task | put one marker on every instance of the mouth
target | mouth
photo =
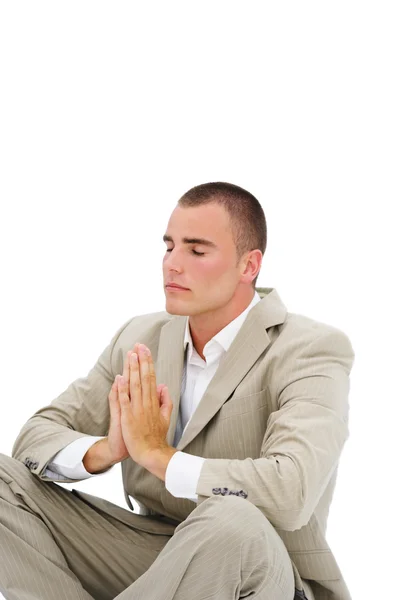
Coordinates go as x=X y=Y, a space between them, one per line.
x=176 y=288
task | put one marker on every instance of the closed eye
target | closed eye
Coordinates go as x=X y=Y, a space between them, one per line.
x=193 y=252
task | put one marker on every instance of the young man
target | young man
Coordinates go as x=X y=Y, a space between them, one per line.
x=229 y=415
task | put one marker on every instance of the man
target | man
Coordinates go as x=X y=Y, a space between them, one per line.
x=229 y=421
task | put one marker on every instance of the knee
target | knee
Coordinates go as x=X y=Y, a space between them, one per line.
x=233 y=505
x=234 y=515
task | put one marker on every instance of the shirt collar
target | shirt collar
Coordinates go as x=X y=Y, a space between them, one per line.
x=224 y=338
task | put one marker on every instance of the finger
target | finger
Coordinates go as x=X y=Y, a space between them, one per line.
x=126 y=410
x=166 y=407
x=165 y=396
x=126 y=365
x=113 y=387
x=124 y=398
x=135 y=382
x=114 y=405
x=152 y=380
x=145 y=382
x=113 y=391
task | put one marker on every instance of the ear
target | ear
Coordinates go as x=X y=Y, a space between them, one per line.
x=253 y=266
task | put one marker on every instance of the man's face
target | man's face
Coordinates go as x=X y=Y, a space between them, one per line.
x=211 y=277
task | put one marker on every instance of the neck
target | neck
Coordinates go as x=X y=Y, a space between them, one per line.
x=204 y=327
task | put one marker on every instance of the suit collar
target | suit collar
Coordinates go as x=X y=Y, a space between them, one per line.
x=225 y=337
x=250 y=342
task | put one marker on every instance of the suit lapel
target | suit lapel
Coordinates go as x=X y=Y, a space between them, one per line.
x=250 y=342
x=170 y=364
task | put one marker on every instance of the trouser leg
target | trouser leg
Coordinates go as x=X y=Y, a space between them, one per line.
x=54 y=546
x=225 y=549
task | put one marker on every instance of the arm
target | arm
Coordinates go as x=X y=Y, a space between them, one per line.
x=75 y=461
x=304 y=436
x=81 y=410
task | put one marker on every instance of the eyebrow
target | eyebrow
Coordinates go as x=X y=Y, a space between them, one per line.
x=201 y=241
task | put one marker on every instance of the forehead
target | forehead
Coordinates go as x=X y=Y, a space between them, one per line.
x=208 y=220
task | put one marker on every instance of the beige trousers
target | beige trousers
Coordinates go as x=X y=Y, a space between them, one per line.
x=55 y=546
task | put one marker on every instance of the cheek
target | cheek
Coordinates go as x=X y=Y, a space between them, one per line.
x=209 y=269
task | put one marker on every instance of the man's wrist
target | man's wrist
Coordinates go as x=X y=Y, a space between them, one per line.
x=97 y=458
x=156 y=461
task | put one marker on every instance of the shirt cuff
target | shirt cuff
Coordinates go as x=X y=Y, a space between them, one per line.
x=182 y=475
x=69 y=460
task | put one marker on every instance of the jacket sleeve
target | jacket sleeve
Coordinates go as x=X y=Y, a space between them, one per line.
x=81 y=410
x=304 y=437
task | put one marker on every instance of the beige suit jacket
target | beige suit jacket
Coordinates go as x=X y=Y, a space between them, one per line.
x=272 y=424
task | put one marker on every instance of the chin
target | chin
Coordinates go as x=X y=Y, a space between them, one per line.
x=175 y=310
x=173 y=307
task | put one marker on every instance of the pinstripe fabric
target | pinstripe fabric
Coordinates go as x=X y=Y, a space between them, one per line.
x=272 y=424
x=54 y=545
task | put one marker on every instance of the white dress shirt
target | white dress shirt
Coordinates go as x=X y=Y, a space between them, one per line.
x=183 y=470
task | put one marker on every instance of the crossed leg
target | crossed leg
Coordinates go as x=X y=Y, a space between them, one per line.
x=54 y=545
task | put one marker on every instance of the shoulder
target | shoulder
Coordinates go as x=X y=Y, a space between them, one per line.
x=142 y=326
x=300 y=334
x=144 y=329
x=293 y=332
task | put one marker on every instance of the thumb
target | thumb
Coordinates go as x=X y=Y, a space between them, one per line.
x=159 y=390
x=113 y=398
x=166 y=404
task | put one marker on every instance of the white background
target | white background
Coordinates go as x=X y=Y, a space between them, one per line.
x=109 y=112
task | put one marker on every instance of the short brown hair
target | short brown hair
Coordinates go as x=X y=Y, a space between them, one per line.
x=248 y=223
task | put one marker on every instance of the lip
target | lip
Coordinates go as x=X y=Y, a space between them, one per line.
x=173 y=286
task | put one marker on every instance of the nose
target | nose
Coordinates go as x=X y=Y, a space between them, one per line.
x=171 y=263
